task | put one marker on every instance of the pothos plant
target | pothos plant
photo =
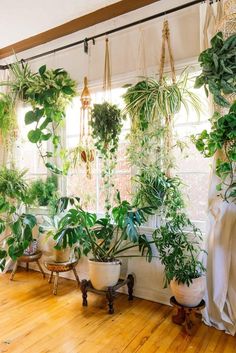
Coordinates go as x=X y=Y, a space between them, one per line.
x=48 y=92
x=218 y=76
x=15 y=226
x=222 y=137
x=106 y=123
x=218 y=69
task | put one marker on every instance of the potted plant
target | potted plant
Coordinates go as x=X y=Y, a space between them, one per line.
x=16 y=226
x=62 y=246
x=178 y=243
x=107 y=239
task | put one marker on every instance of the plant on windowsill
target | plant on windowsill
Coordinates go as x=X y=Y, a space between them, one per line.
x=106 y=239
x=16 y=227
x=106 y=123
x=43 y=194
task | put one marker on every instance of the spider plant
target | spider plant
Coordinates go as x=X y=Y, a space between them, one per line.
x=151 y=99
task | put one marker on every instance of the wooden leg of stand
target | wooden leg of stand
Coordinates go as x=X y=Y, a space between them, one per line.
x=50 y=277
x=130 y=285
x=179 y=318
x=76 y=275
x=55 y=284
x=110 y=298
x=14 y=270
x=27 y=266
x=83 y=287
x=40 y=267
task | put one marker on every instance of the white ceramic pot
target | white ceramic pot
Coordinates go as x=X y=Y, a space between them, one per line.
x=104 y=274
x=62 y=255
x=189 y=296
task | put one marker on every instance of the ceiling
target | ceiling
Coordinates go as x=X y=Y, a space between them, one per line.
x=25 y=18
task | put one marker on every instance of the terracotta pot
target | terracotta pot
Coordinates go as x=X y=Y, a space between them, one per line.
x=104 y=274
x=87 y=156
x=188 y=296
x=62 y=255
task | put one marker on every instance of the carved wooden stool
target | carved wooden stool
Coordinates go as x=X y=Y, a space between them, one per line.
x=58 y=267
x=186 y=316
x=110 y=292
x=27 y=259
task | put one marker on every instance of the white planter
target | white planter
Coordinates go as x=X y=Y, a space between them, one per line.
x=104 y=274
x=188 y=296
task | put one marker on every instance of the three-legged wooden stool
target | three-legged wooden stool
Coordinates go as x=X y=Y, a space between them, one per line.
x=27 y=259
x=58 y=267
x=187 y=316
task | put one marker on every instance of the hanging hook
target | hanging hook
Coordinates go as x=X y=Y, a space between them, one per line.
x=86 y=45
x=93 y=40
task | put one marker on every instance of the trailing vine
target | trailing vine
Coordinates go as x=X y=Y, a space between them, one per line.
x=106 y=122
x=218 y=76
x=48 y=92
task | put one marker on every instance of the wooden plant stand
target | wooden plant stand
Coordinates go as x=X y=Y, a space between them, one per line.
x=27 y=259
x=110 y=292
x=186 y=316
x=58 y=267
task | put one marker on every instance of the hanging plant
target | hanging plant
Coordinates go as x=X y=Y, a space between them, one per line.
x=48 y=92
x=222 y=137
x=106 y=123
x=152 y=105
x=8 y=124
x=219 y=68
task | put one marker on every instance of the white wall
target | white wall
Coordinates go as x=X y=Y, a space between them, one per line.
x=125 y=58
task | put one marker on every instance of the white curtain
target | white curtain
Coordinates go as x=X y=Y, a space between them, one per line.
x=220 y=297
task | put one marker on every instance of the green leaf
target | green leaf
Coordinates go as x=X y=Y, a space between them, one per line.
x=68 y=90
x=45 y=137
x=42 y=70
x=30 y=117
x=34 y=135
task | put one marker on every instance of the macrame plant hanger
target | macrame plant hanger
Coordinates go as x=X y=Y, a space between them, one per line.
x=107 y=74
x=86 y=141
x=168 y=144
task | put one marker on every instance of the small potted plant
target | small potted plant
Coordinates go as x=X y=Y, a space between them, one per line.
x=62 y=246
x=107 y=239
x=178 y=244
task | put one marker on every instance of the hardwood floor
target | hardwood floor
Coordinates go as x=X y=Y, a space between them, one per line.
x=33 y=320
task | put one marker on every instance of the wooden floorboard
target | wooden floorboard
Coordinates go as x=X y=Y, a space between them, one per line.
x=33 y=320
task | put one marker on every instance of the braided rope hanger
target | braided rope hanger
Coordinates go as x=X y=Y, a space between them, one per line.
x=107 y=73
x=166 y=40
x=168 y=139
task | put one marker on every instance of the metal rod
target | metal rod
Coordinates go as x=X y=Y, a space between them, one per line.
x=121 y=28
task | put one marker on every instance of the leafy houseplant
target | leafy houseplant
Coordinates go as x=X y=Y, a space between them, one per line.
x=106 y=238
x=48 y=92
x=8 y=124
x=15 y=226
x=43 y=193
x=106 y=122
x=52 y=225
x=219 y=69
x=152 y=105
x=222 y=137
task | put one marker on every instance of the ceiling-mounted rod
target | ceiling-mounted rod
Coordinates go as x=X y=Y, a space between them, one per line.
x=163 y=13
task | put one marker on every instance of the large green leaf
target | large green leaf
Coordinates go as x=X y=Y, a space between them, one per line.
x=34 y=135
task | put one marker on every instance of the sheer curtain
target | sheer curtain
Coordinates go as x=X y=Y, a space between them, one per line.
x=220 y=297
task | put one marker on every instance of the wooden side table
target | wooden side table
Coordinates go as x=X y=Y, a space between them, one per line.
x=27 y=259
x=58 y=267
x=186 y=316
x=110 y=292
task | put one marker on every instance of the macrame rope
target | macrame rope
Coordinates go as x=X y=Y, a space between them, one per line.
x=166 y=40
x=107 y=72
